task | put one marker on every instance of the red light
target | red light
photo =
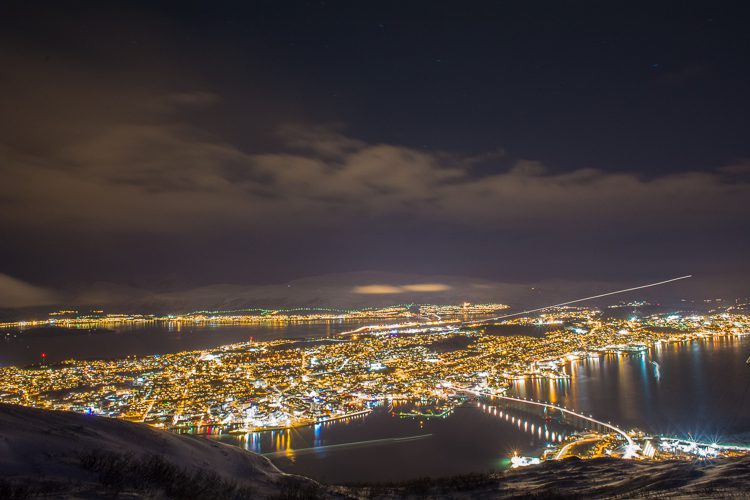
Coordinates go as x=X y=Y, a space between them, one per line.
x=44 y=354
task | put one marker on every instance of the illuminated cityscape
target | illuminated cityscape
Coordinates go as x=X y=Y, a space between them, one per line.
x=328 y=249
x=416 y=314
x=437 y=365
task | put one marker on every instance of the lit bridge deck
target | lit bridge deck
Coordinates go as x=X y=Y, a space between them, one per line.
x=631 y=448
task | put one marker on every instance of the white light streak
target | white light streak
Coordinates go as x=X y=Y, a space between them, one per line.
x=583 y=299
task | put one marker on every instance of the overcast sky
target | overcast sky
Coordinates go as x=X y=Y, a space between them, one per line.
x=513 y=141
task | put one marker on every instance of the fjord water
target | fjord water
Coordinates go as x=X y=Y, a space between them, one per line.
x=696 y=389
x=25 y=347
x=382 y=447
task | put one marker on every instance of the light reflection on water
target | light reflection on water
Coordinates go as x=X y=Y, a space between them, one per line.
x=162 y=338
x=384 y=447
x=696 y=390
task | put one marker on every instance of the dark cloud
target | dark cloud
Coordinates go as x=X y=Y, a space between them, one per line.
x=15 y=293
x=219 y=153
x=174 y=177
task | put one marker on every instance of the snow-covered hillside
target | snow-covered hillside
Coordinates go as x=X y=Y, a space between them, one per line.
x=46 y=454
x=80 y=455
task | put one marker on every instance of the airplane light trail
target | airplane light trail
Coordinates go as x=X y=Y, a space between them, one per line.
x=582 y=300
x=382 y=327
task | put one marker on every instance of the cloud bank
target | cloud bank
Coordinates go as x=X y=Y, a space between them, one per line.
x=105 y=150
x=15 y=293
x=169 y=177
x=100 y=166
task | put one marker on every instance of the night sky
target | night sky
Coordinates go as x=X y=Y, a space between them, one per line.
x=186 y=143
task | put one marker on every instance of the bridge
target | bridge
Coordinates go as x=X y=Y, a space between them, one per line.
x=631 y=449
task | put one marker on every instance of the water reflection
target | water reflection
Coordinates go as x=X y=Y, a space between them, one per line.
x=689 y=389
x=382 y=446
x=682 y=389
x=155 y=338
x=535 y=425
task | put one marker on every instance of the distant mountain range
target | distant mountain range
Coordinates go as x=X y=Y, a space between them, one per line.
x=349 y=290
x=54 y=454
x=344 y=290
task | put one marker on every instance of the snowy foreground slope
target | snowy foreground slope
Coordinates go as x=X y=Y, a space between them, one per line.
x=46 y=454
x=69 y=454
